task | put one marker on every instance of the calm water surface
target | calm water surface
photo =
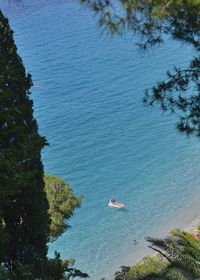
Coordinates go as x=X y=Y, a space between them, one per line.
x=102 y=139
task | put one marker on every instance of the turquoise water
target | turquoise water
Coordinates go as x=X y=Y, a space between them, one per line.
x=102 y=139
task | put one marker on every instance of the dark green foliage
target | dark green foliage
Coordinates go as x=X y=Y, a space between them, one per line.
x=20 y=272
x=44 y=269
x=182 y=251
x=123 y=274
x=178 y=258
x=24 y=218
x=23 y=205
x=150 y=21
x=57 y=269
x=62 y=204
x=147 y=265
x=149 y=268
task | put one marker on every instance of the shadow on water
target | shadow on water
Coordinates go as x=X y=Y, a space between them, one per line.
x=123 y=210
x=120 y=210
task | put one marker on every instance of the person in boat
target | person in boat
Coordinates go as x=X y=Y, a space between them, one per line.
x=112 y=201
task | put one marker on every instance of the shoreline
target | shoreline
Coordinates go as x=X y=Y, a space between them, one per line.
x=193 y=225
x=187 y=219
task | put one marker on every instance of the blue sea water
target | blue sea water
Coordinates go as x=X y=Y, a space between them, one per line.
x=88 y=104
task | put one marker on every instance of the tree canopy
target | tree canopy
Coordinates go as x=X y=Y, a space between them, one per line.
x=25 y=212
x=177 y=259
x=62 y=204
x=25 y=225
x=146 y=266
x=182 y=252
x=151 y=22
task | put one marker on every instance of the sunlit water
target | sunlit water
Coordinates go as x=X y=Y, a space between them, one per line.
x=88 y=104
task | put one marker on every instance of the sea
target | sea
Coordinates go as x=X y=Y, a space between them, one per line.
x=87 y=93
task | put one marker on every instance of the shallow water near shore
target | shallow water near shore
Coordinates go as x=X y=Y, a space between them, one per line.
x=88 y=104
